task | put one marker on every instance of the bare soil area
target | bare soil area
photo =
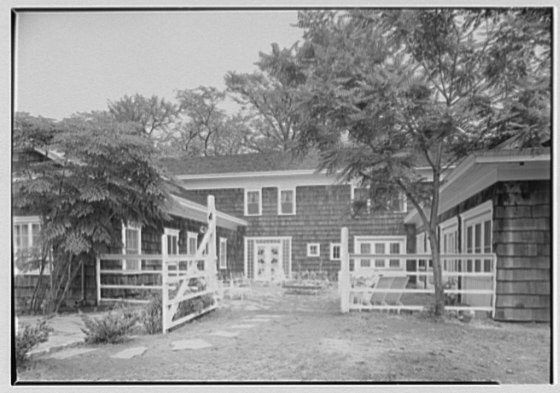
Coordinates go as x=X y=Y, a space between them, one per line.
x=310 y=340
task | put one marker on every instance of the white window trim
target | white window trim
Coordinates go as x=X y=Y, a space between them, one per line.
x=480 y=210
x=192 y=235
x=169 y=232
x=310 y=245
x=245 y=201
x=476 y=215
x=448 y=227
x=29 y=221
x=387 y=240
x=401 y=195
x=223 y=261
x=126 y=226
x=332 y=246
x=280 y=213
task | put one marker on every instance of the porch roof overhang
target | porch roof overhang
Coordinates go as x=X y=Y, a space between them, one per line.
x=481 y=170
x=187 y=209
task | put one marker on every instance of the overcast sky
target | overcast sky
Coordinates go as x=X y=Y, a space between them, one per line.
x=72 y=62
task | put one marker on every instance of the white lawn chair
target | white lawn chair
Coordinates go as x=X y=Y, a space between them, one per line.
x=394 y=298
x=378 y=296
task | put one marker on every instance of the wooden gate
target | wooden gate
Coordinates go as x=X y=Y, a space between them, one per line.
x=187 y=285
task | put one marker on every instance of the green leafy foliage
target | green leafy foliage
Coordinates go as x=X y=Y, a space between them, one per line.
x=102 y=175
x=151 y=317
x=389 y=91
x=112 y=328
x=268 y=97
x=27 y=338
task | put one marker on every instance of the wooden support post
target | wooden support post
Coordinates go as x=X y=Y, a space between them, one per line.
x=344 y=277
x=98 y=279
x=164 y=296
x=212 y=268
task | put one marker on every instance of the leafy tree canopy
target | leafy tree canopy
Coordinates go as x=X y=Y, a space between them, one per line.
x=107 y=178
x=421 y=87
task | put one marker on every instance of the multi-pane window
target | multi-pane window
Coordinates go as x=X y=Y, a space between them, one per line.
x=27 y=245
x=253 y=202
x=170 y=241
x=192 y=243
x=362 y=202
x=380 y=247
x=287 y=203
x=313 y=250
x=335 y=251
x=222 y=253
x=132 y=241
x=477 y=225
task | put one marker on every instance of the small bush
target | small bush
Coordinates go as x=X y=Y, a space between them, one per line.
x=112 y=328
x=151 y=316
x=27 y=338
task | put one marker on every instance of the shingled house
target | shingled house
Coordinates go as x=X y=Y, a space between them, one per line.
x=181 y=235
x=294 y=212
x=500 y=202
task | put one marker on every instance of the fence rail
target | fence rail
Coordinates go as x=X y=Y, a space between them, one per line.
x=469 y=280
x=187 y=284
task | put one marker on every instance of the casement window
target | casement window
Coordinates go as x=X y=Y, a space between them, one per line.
x=477 y=236
x=253 y=202
x=313 y=249
x=170 y=241
x=192 y=243
x=335 y=252
x=132 y=245
x=222 y=253
x=287 y=201
x=27 y=245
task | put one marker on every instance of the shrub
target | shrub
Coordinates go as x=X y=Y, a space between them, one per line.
x=28 y=337
x=151 y=317
x=112 y=328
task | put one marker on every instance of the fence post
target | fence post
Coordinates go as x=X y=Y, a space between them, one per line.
x=164 y=296
x=212 y=269
x=98 y=279
x=344 y=276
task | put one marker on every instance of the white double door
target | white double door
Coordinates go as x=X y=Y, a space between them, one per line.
x=268 y=262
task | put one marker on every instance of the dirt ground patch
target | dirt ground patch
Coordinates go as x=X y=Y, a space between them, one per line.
x=306 y=338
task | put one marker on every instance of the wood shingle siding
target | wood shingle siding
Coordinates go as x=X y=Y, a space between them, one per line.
x=521 y=237
x=321 y=211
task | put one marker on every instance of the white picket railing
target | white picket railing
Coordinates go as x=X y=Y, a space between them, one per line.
x=177 y=278
x=469 y=277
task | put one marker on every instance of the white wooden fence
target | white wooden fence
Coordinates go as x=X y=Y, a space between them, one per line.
x=470 y=280
x=188 y=285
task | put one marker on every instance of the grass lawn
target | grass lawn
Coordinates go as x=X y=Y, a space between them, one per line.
x=312 y=341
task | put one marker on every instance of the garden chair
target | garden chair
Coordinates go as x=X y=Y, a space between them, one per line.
x=378 y=296
x=236 y=287
x=394 y=298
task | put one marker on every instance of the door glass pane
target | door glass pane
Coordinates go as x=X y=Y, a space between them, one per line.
x=394 y=263
x=395 y=248
x=380 y=263
x=380 y=248
x=364 y=263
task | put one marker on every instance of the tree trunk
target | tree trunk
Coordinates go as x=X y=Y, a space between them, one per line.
x=438 y=276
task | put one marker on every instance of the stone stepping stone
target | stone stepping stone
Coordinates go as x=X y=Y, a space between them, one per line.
x=258 y=320
x=65 y=354
x=129 y=353
x=190 y=344
x=223 y=333
x=243 y=326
